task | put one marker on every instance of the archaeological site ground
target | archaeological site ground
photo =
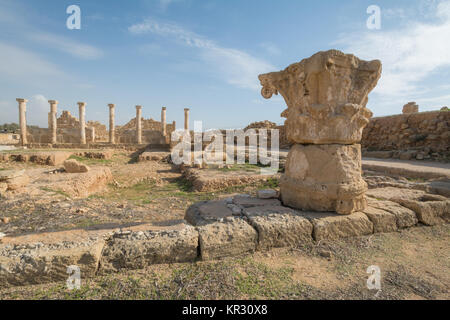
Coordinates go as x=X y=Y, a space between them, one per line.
x=334 y=202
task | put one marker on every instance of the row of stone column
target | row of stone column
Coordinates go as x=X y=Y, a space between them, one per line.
x=52 y=124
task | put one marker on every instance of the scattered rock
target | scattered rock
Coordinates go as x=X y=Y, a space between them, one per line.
x=17 y=183
x=73 y=166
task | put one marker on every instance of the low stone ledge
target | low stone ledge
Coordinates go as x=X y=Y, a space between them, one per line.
x=151 y=245
x=429 y=212
x=383 y=221
x=279 y=226
x=247 y=201
x=230 y=237
x=430 y=209
x=405 y=217
x=42 y=258
x=330 y=226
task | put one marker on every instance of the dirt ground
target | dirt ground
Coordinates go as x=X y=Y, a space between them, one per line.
x=141 y=192
x=414 y=263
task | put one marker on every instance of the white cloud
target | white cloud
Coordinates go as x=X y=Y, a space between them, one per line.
x=24 y=65
x=235 y=66
x=37 y=111
x=409 y=55
x=67 y=45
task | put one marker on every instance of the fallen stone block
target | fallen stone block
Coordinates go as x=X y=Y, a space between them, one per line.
x=151 y=245
x=279 y=226
x=10 y=174
x=405 y=217
x=332 y=226
x=232 y=237
x=383 y=221
x=73 y=166
x=43 y=258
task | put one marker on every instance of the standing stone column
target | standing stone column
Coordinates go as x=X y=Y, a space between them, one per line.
x=82 y=115
x=52 y=117
x=138 y=124
x=163 y=121
x=92 y=134
x=186 y=119
x=112 y=125
x=22 y=120
x=326 y=96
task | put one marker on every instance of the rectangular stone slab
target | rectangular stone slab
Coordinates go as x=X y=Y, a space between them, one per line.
x=405 y=217
x=383 y=221
x=279 y=226
x=329 y=226
x=153 y=245
x=233 y=236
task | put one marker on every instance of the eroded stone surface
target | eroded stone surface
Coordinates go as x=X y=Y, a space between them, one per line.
x=267 y=194
x=326 y=96
x=73 y=166
x=152 y=245
x=279 y=226
x=44 y=258
x=247 y=201
x=383 y=221
x=324 y=178
x=205 y=212
x=232 y=237
x=405 y=217
x=332 y=226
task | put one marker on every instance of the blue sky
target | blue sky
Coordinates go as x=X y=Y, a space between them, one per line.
x=206 y=55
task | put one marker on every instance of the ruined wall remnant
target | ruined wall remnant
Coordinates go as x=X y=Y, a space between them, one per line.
x=326 y=96
x=410 y=107
x=422 y=135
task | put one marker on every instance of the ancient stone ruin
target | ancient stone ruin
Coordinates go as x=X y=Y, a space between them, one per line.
x=70 y=131
x=326 y=96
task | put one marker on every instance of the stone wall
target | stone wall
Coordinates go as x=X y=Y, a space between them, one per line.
x=9 y=138
x=422 y=135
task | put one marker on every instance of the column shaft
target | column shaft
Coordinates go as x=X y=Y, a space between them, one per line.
x=82 y=115
x=23 y=120
x=163 y=122
x=186 y=119
x=52 y=116
x=112 y=125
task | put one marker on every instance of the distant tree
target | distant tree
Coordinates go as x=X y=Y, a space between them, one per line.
x=9 y=128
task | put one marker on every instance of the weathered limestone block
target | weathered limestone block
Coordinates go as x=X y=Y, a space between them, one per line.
x=324 y=178
x=405 y=217
x=410 y=107
x=155 y=245
x=326 y=96
x=205 y=212
x=428 y=212
x=41 y=258
x=279 y=226
x=383 y=221
x=430 y=209
x=328 y=226
x=232 y=237
x=73 y=166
